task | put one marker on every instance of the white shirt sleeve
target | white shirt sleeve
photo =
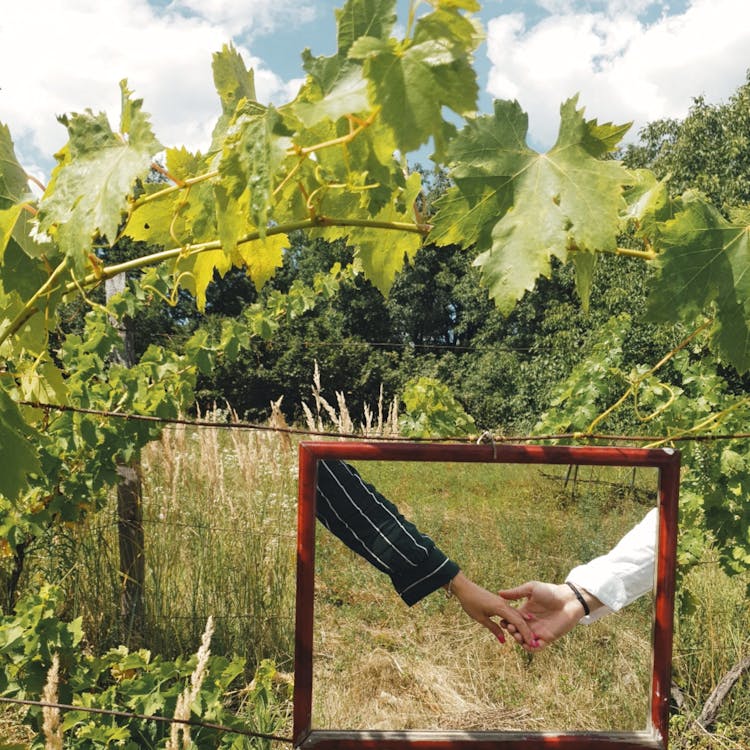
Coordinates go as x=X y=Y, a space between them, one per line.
x=624 y=573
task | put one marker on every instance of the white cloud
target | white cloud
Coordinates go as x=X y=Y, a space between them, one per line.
x=625 y=69
x=244 y=17
x=77 y=51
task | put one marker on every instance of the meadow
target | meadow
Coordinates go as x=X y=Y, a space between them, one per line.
x=220 y=524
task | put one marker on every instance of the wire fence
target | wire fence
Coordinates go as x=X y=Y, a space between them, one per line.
x=484 y=437
x=149 y=717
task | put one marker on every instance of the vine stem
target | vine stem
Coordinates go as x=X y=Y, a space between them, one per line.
x=173 y=189
x=666 y=358
x=30 y=309
x=38 y=183
x=630 y=253
x=710 y=422
x=318 y=221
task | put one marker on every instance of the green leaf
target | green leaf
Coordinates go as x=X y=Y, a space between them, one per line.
x=705 y=259
x=412 y=81
x=585 y=263
x=648 y=204
x=13 y=180
x=151 y=222
x=521 y=207
x=234 y=83
x=8 y=219
x=358 y=18
x=19 y=456
x=233 y=80
x=263 y=257
x=253 y=152
x=346 y=94
x=88 y=196
x=381 y=253
x=433 y=411
x=335 y=84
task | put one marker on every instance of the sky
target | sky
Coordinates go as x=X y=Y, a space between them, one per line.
x=630 y=60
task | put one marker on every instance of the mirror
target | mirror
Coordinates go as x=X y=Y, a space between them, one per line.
x=372 y=672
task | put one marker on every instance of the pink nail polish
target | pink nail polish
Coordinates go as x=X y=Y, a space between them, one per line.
x=535 y=643
x=501 y=638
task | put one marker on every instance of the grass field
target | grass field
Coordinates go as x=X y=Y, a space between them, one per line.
x=220 y=522
x=385 y=665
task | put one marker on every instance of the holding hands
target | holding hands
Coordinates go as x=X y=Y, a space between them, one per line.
x=548 y=610
x=551 y=609
x=482 y=605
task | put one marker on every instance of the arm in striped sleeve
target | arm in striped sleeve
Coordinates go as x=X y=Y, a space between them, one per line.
x=372 y=526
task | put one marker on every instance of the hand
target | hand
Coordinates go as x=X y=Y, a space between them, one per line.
x=551 y=609
x=482 y=605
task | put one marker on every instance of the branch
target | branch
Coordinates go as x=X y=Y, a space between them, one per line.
x=710 y=422
x=630 y=253
x=109 y=272
x=635 y=383
x=713 y=704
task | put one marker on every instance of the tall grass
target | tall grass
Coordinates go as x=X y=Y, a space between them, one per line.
x=219 y=513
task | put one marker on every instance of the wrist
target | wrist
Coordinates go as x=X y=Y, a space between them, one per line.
x=577 y=599
x=457 y=585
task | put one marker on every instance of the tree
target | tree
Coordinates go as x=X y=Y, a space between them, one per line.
x=709 y=150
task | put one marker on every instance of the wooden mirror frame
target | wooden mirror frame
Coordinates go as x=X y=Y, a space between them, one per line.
x=666 y=460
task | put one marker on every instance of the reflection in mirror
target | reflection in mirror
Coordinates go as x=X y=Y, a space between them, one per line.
x=381 y=665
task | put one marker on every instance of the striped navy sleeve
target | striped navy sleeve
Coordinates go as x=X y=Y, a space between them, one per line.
x=373 y=527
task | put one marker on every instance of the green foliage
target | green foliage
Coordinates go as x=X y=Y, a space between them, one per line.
x=703 y=266
x=707 y=151
x=94 y=177
x=432 y=411
x=570 y=196
x=126 y=681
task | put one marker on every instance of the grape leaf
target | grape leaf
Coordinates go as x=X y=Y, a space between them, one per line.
x=8 y=219
x=234 y=82
x=381 y=253
x=335 y=84
x=263 y=257
x=348 y=95
x=703 y=259
x=13 y=181
x=152 y=222
x=19 y=457
x=648 y=204
x=23 y=274
x=255 y=147
x=89 y=193
x=521 y=207
x=411 y=81
x=14 y=195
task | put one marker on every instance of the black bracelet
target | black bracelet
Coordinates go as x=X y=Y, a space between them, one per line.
x=579 y=597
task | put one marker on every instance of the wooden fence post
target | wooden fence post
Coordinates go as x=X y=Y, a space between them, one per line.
x=129 y=500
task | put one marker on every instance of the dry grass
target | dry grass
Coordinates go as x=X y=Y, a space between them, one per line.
x=383 y=665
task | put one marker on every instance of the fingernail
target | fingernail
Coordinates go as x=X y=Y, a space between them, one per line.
x=535 y=643
x=501 y=638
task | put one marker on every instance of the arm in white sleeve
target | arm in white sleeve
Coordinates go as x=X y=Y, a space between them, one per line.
x=624 y=573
